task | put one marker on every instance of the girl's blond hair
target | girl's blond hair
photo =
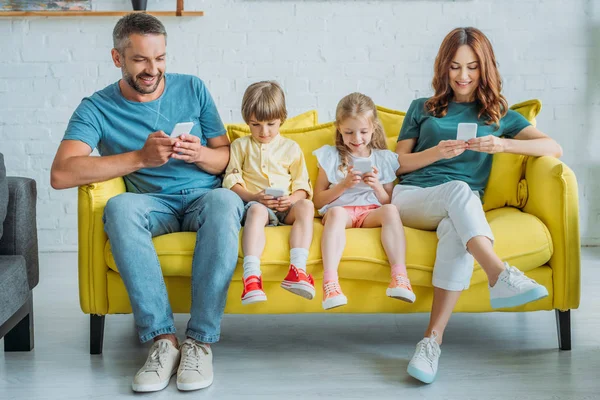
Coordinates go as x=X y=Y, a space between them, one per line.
x=357 y=105
x=265 y=101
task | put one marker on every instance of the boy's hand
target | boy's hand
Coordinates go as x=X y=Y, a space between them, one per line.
x=267 y=201
x=188 y=149
x=371 y=178
x=284 y=204
x=352 y=178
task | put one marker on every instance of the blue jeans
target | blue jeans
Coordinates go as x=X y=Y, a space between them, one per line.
x=131 y=220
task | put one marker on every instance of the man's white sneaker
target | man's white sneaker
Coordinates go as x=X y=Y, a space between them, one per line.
x=160 y=366
x=424 y=364
x=513 y=289
x=195 y=369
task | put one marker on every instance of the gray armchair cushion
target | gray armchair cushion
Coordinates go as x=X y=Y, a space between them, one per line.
x=20 y=230
x=14 y=289
x=3 y=193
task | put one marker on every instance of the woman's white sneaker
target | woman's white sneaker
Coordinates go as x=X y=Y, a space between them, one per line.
x=195 y=369
x=424 y=364
x=160 y=366
x=513 y=289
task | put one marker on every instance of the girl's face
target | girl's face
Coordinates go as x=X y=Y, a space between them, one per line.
x=464 y=74
x=357 y=133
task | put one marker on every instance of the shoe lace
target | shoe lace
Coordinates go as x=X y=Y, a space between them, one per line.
x=402 y=280
x=429 y=350
x=332 y=287
x=157 y=358
x=193 y=355
x=517 y=278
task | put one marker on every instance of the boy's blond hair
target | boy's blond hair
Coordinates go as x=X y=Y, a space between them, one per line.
x=265 y=101
x=361 y=106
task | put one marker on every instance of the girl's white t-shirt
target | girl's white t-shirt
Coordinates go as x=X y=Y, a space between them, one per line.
x=361 y=194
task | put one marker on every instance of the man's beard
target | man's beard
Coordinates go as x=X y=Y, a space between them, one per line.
x=133 y=82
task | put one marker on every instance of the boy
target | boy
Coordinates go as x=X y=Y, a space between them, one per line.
x=267 y=161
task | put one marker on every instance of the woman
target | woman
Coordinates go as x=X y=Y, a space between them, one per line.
x=443 y=180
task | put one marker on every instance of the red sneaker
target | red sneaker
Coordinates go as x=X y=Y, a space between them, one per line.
x=253 y=290
x=298 y=282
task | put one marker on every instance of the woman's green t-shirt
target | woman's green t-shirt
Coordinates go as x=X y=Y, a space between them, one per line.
x=471 y=167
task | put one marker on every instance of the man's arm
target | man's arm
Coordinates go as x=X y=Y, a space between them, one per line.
x=212 y=158
x=73 y=166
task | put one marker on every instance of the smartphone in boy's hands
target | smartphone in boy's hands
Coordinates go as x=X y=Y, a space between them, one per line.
x=466 y=131
x=182 y=128
x=275 y=192
x=363 y=165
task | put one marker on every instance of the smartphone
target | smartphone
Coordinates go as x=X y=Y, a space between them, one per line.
x=466 y=131
x=275 y=192
x=363 y=165
x=182 y=128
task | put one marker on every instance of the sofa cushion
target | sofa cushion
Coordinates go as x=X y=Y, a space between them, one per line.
x=14 y=288
x=521 y=239
x=3 y=194
x=506 y=186
x=392 y=122
x=304 y=120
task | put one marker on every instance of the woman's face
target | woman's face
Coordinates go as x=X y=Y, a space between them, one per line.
x=464 y=74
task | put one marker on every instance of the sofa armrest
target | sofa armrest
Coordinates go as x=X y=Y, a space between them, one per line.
x=20 y=225
x=92 y=199
x=553 y=198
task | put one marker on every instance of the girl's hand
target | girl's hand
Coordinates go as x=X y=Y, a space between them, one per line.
x=284 y=203
x=372 y=178
x=451 y=148
x=267 y=201
x=188 y=149
x=487 y=144
x=352 y=178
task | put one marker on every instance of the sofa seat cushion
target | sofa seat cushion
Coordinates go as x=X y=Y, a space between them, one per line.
x=14 y=288
x=521 y=239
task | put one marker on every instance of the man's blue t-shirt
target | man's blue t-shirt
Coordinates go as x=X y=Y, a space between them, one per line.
x=471 y=167
x=115 y=125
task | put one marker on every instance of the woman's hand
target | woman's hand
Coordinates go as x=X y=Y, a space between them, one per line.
x=487 y=144
x=352 y=178
x=450 y=148
x=372 y=179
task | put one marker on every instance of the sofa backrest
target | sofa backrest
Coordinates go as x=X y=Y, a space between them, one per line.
x=506 y=186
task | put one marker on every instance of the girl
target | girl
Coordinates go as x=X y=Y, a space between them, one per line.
x=443 y=180
x=347 y=198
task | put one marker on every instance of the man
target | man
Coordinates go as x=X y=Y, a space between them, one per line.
x=172 y=185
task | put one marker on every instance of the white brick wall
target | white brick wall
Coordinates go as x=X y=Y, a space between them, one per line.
x=319 y=51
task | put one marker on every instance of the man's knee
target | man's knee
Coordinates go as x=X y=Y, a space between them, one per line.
x=223 y=202
x=121 y=207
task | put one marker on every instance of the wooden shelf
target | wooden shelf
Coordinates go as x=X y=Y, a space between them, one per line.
x=95 y=13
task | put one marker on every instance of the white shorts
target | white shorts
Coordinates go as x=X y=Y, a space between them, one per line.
x=456 y=213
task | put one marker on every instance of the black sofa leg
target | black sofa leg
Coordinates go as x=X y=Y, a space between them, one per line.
x=563 y=327
x=96 y=333
x=21 y=336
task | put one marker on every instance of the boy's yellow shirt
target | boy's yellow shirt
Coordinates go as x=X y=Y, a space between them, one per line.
x=257 y=166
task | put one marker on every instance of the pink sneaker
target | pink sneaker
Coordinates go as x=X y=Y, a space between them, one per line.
x=298 y=282
x=400 y=289
x=332 y=295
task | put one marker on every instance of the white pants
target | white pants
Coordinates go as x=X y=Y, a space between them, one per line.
x=456 y=213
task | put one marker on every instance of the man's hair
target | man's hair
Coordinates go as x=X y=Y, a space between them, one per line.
x=265 y=101
x=138 y=23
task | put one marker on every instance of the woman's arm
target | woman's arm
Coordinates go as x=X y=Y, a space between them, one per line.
x=410 y=161
x=529 y=142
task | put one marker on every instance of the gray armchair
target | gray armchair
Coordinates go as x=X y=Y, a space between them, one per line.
x=19 y=269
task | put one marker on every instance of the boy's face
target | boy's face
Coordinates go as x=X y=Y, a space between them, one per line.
x=264 y=131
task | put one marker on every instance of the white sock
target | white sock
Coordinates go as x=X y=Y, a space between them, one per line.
x=251 y=266
x=298 y=257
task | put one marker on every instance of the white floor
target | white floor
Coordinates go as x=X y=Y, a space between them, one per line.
x=484 y=356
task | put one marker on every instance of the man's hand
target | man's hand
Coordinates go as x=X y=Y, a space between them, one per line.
x=267 y=201
x=188 y=149
x=157 y=150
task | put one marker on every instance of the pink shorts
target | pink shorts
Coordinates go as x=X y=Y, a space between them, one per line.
x=359 y=213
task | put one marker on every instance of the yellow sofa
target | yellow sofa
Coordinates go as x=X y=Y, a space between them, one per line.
x=531 y=204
